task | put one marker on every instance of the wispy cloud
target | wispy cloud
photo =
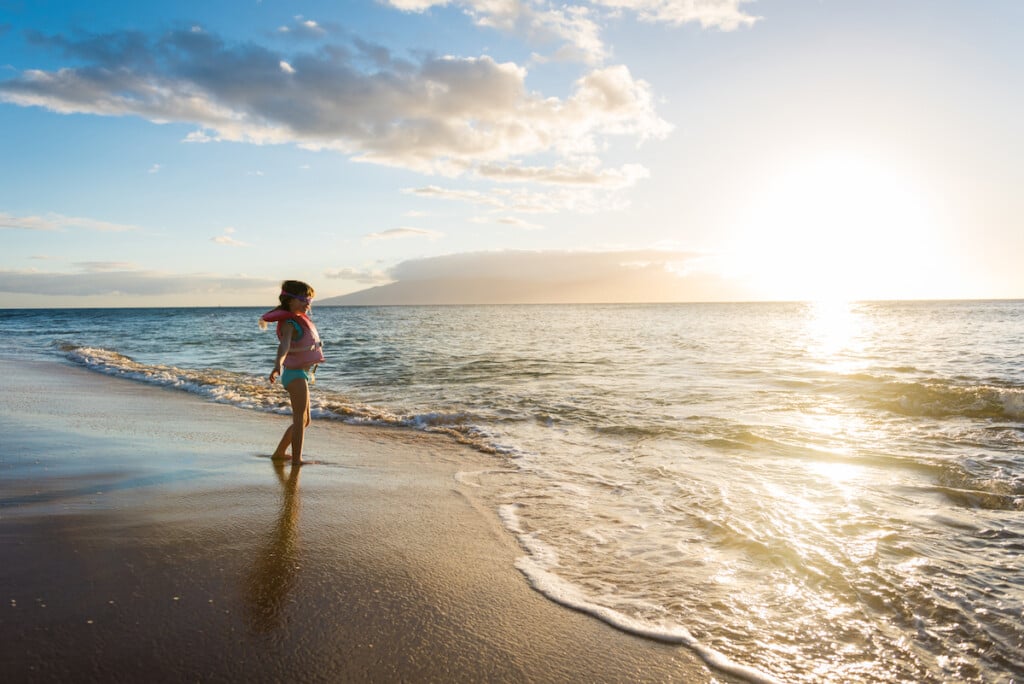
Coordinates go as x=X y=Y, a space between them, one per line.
x=59 y=222
x=30 y=223
x=586 y=200
x=471 y=196
x=303 y=28
x=401 y=233
x=198 y=137
x=623 y=177
x=540 y=23
x=517 y=222
x=513 y=221
x=155 y=168
x=227 y=239
x=125 y=282
x=725 y=15
x=571 y=26
x=438 y=115
x=577 y=27
x=106 y=266
x=368 y=276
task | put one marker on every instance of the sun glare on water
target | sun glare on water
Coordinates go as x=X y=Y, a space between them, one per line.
x=841 y=228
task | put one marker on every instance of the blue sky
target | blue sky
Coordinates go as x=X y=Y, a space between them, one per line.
x=194 y=153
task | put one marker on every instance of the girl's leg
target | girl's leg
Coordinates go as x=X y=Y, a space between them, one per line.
x=280 y=453
x=298 y=390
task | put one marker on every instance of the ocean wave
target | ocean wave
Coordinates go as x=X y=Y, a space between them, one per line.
x=987 y=483
x=981 y=498
x=254 y=392
x=948 y=399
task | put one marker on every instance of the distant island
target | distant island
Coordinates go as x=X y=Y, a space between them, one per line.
x=543 y=278
x=470 y=291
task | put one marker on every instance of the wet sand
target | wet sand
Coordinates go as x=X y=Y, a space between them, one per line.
x=146 y=536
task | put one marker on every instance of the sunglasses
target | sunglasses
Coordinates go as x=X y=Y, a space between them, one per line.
x=304 y=300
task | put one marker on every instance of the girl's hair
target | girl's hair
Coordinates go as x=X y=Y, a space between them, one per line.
x=294 y=287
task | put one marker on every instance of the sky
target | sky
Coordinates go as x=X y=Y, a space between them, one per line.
x=196 y=154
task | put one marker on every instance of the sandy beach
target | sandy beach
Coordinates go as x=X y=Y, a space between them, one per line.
x=147 y=536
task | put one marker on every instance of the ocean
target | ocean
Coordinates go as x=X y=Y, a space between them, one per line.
x=828 y=492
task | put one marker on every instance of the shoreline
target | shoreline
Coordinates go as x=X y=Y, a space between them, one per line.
x=148 y=535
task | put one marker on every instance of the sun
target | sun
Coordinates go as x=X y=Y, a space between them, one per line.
x=840 y=227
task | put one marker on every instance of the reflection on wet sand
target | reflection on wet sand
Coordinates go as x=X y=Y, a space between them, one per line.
x=274 y=571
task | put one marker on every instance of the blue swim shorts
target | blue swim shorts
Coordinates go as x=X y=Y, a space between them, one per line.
x=290 y=374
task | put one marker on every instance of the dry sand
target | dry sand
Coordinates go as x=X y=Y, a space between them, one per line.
x=147 y=537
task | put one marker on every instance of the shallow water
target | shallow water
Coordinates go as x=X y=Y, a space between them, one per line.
x=799 y=492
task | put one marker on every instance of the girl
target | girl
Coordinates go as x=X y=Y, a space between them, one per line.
x=299 y=353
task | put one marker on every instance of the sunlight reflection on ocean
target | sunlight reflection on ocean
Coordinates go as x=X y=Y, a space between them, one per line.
x=826 y=492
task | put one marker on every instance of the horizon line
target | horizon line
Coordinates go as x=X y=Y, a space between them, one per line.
x=923 y=300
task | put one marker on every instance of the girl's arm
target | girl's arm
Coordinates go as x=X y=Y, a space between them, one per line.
x=282 y=351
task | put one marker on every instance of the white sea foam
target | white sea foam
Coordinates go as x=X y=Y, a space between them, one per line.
x=253 y=392
x=1013 y=402
x=540 y=568
x=474 y=478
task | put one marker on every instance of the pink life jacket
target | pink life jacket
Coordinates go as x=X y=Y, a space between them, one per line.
x=305 y=351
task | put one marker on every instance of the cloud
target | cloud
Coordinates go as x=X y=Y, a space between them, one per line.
x=513 y=221
x=227 y=240
x=538 y=22
x=725 y=15
x=124 y=49
x=400 y=233
x=550 y=276
x=416 y=5
x=517 y=222
x=29 y=223
x=127 y=282
x=362 y=276
x=105 y=266
x=440 y=115
x=304 y=29
x=59 y=222
x=471 y=196
x=623 y=177
x=578 y=27
x=586 y=200
x=155 y=168
x=198 y=137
